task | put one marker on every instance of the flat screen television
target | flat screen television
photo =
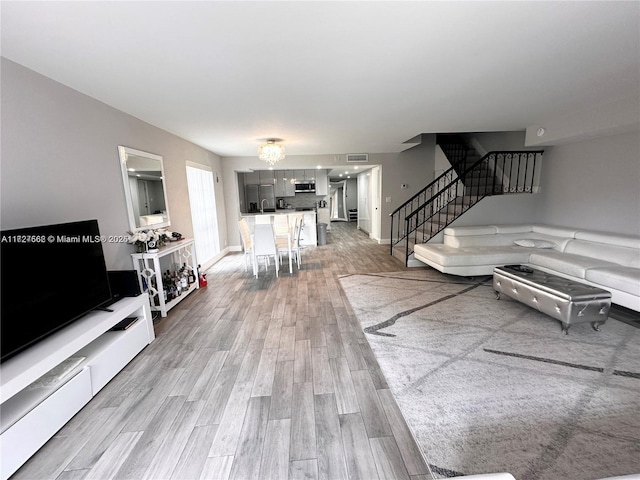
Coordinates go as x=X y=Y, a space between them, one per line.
x=51 y=276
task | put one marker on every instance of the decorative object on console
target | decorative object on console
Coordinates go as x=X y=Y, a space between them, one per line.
x=148 y=240
x=271 y=152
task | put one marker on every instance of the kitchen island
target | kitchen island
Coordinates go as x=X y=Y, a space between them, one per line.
x=308 y=236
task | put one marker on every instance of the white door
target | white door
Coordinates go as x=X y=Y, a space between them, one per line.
x=375 y=187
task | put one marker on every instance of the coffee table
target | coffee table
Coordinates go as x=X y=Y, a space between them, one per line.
x=563 y=299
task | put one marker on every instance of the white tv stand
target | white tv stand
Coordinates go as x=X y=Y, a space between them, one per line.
x=29 y=417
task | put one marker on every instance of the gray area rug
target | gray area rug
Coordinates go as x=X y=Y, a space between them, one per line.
x=492 y=385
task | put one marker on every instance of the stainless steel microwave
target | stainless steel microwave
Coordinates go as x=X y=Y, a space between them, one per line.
x=305 y=187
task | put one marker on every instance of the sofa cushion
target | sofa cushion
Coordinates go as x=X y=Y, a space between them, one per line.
x=626 y=279
x=566 y=263
x=513 y=228
x=501 y=240
x=466 y=231
x=619 y=240
x=451 y=256
x=554 y=231
x=533 y=243
x=629 y=257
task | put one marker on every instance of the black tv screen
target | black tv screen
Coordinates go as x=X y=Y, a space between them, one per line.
x=51 y=276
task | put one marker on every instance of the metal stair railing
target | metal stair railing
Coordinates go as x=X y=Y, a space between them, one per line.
x=497 y=173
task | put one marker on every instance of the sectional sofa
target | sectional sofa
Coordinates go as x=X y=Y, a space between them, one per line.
x=606 y=260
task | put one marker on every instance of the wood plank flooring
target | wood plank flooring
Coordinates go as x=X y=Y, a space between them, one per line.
x=249 y=379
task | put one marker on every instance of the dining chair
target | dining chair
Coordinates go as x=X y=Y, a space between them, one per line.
x=247 y=244
x=295 y=244
x=284 y=241
x=263 y=219
x=264 y=246
x=281 y=225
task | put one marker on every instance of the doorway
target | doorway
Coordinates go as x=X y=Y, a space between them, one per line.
x=338 y=201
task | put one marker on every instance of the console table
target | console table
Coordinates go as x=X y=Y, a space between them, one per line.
x=149 y=267
x=31 y=413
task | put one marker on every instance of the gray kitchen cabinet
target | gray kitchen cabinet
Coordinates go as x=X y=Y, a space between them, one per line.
x=310 y=176
x=289 y=183
x=266 y=177
x=279 y=182
x=284 y=183
x=252 y=178
x=322 y=183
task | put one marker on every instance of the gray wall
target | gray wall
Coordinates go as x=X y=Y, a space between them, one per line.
x=60 y=160
x=593 y=184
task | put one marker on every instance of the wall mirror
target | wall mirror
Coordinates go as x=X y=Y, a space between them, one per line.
x=144 y=189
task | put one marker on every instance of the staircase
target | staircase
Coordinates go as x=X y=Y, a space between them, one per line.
x=470 y=179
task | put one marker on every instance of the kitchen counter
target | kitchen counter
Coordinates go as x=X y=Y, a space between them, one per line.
x=279 y=211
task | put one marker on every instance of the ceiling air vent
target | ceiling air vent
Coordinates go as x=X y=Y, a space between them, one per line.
x=357 y=157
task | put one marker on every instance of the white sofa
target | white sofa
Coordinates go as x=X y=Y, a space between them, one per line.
x=604 y=260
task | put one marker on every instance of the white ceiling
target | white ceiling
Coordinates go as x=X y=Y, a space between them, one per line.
x=332 y=77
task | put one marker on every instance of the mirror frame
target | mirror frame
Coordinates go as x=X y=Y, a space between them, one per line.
x=124 y=152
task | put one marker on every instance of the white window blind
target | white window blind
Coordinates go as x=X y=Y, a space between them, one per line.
x=203 y=213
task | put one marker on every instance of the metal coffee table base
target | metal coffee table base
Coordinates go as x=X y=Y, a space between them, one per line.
x=565 y=300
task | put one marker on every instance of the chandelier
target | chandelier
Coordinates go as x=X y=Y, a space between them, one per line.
x=271 y=152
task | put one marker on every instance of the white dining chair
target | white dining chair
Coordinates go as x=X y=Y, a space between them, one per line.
x=263 y=219
x=284 y=242
x=295 y=244
x=264 y=246
x=247 y=243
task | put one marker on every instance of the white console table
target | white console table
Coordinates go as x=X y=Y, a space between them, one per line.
x=29 y=417
x=148 y=266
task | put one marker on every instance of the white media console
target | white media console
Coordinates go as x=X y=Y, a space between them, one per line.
x=29 y=416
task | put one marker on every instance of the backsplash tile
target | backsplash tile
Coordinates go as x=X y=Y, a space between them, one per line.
x=304 y=200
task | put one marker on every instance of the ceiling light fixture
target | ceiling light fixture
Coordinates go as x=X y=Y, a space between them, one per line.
x=271 y=152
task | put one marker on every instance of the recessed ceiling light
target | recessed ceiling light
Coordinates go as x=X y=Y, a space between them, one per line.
x=340 y=175
x=541 y=131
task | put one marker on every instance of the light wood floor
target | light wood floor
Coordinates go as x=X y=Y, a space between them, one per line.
x=270 y=378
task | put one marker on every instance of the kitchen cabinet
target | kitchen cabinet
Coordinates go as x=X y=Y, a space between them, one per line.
x=322 y=183
x=289 y=183
x=252 y=178
x=304 y=176
x=266 y=177
x=284 y=183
